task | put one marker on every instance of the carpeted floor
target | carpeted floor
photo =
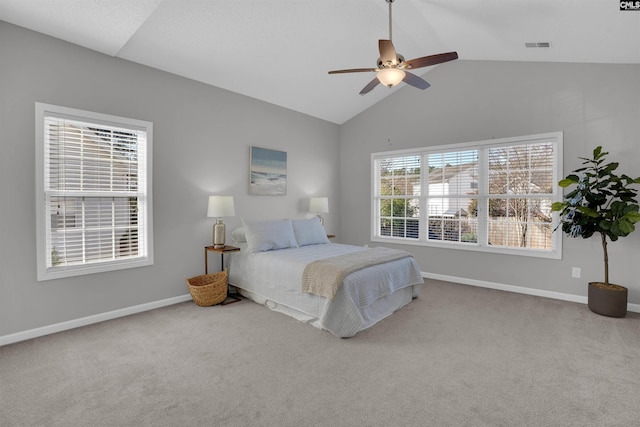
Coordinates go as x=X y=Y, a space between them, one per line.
x=456 y=356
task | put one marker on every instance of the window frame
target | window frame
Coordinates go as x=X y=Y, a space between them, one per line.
x=555 y=138
x=145 y=215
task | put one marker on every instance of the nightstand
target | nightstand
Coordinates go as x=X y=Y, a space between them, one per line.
x=235 y=297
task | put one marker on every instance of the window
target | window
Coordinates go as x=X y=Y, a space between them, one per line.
x=93 y=192
x=492 y=196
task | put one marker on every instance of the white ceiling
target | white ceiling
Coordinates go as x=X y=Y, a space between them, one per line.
x=280 y=51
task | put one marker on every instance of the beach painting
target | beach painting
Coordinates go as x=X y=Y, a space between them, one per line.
x=268 y=172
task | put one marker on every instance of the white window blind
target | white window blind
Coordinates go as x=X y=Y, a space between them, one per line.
x=492 y=196
x=95 y=201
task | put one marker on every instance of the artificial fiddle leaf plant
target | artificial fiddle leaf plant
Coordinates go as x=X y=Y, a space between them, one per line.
x=602 y=203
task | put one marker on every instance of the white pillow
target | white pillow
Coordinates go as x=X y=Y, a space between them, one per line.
x=238 y=235
x=269 y=235
x=309 y=231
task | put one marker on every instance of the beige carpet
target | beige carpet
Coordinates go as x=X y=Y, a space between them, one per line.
x=457 y=356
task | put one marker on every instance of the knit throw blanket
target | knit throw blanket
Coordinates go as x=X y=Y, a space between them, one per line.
x=325 y=276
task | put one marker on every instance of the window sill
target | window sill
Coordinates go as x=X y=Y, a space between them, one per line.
x=472 y=247
x=80 y=270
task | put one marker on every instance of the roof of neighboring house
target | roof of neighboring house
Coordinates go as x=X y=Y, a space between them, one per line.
x=446 y=173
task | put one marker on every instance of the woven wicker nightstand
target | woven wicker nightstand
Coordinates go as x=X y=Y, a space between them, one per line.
x=234 y=296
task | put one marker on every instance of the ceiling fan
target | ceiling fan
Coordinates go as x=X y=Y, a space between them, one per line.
x=392 y=67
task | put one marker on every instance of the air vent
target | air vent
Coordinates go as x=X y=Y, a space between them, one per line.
x=537 y=44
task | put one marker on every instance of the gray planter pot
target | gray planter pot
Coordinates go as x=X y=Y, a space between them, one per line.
x=608 y=302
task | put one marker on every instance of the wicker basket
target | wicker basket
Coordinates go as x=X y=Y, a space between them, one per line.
x=208 y=289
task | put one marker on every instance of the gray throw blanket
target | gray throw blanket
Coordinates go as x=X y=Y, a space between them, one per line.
x=325 y=276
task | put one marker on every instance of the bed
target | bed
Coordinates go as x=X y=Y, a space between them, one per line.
x=277 y=258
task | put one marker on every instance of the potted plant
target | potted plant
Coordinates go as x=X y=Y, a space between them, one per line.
x=602 y=204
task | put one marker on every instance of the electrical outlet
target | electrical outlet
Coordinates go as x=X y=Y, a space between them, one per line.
x=575 y=272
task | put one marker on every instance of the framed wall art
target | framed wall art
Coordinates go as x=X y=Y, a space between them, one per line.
x=267 y=172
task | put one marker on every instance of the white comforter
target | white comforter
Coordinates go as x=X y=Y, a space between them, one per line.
x=367 y=296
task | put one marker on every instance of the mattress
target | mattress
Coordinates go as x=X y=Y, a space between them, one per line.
x=273 y=278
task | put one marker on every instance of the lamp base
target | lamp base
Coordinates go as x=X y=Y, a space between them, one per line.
x=219 y=234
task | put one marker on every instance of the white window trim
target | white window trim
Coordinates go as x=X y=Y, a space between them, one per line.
x=554 y=253
x=44 y=273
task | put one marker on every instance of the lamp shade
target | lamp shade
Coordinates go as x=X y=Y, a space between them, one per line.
x=220 y=206
x=319 y=205
x=390 y=76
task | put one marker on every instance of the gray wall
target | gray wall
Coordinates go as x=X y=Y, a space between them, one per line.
x=593 y=104
x=201 y=146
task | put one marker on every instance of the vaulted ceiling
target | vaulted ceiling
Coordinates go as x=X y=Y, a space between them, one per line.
x=280 y=51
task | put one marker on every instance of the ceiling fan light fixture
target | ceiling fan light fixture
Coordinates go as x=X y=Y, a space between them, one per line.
x=390 y=76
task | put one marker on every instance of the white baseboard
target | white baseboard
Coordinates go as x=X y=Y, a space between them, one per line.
x=518 y=289
x=84 y=321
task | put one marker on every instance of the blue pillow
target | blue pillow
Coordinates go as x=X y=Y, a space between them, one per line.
x=309 y=231
x=269 y=235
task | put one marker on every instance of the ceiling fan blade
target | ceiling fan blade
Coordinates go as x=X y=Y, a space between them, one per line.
x=426 y=61
x=387 y=52
x=415 y=81
x=373 y=83
x=353 y=70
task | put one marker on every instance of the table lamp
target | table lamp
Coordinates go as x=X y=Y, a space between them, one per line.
x=220 y=206
x=318 y=205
